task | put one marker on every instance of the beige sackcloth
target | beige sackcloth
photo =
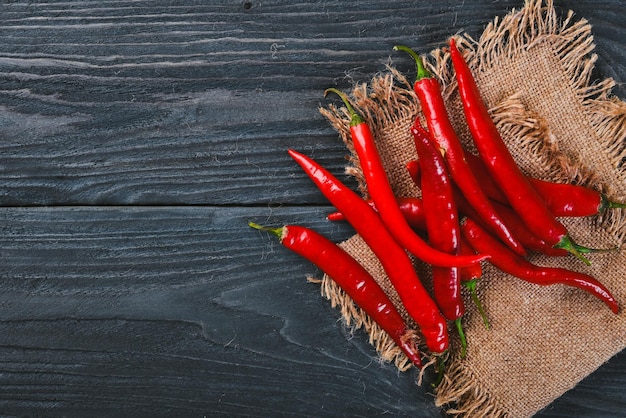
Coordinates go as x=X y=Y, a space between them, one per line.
x=534 y=71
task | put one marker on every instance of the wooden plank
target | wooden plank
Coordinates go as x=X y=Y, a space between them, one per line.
x=123 y=102
x=184 y=311
x=188 y=312
x=165 y=124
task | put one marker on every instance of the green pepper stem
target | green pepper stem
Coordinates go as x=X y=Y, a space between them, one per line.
x=605 y=203
x=471 y=286
x=459 y=328
x=276 y=231
x=441 y=369
x=578 y=250
x=616 y=205
x=586 y=250
x=422 y=72
x=355 y=118
x=566 y=243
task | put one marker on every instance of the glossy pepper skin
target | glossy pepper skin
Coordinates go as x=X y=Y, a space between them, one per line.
x=442 y=227
x=428 y=91
x=509 y=262
x=413 y=211
x=352 y=278
x=473 y=272
x=562 y=199
x=516 y=226
x=573 y=200
x=383 y=196
x=442 y=223
x=518 y=190
x=529 y=240
x=395 y=261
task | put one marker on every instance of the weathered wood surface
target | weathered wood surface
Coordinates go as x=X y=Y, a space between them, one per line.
x=137 y=139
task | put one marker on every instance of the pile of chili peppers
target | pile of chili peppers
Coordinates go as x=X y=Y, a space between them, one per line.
x=472 y=208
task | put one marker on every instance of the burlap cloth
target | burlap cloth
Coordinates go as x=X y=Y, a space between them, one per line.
x=534 y=70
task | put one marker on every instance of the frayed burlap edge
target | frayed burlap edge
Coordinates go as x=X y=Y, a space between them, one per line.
x=389 y=98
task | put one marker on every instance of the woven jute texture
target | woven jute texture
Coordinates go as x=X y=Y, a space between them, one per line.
x=534 y=70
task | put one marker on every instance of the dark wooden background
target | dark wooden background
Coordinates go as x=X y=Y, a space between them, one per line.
x=137 y=138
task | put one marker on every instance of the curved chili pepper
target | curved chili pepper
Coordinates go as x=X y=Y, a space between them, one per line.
x=382 y=194
x=515 y=224
x=352 y=278
x=428 y=91
x=413 y=167
x=492 y=190
x=413 y=210
x=519 y=192
x=442 y=227
x=442 y=219
x=394 y=260
x=563 y=199
x=509 y=262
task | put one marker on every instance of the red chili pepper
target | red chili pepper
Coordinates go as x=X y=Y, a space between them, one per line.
x=442 y=227
x=526 y=237
x=562 y=199
x=515 y=225
x=352 y=278
x=394 y=260
x=509 y=262
x=442 y=221
x=519 y=192
x=413 y=210
x=573 y=200
x=428 y=91
x=492 y=190
x=413 y=167
x=382 y=194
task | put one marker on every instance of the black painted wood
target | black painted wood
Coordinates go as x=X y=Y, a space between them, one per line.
x=137 y=139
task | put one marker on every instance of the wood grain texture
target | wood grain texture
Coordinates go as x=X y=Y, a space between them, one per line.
x=137 y=139
x=153 y=311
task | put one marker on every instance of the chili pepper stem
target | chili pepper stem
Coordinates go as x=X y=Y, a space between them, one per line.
x=441 y=369
x=568 y=244
x=355 y=118
x=276 y=231
x=471 y=286
x=605 y=203
x=587 y=250
x=422 y=72
x=459 y=328
x=616 y=205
